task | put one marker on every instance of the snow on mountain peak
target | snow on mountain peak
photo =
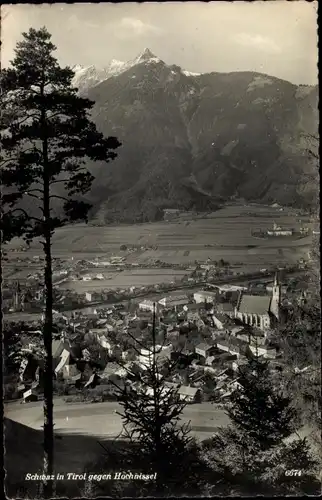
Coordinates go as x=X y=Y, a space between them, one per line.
x=189 y=73
x=146 y=54
x=115 y=63
x=90 y=76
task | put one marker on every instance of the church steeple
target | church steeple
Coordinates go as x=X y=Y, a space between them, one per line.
x=276 y=297
x=276 y=280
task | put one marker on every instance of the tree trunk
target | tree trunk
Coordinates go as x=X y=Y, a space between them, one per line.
x=47 y=332
x=48 y=374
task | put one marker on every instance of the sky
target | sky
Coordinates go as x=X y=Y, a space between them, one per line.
x=277 y=37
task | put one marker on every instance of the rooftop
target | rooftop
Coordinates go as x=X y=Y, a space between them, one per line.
x=254 y=304
x=58 y=346
x=225 y=307
x=147 y=302
x=203 y=346
x=206 y=293
x=185 y=390
x=175 y=298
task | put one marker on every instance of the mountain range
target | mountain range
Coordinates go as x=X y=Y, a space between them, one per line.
x=193 y=141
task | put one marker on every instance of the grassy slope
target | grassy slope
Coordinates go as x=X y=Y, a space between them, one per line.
x=23 y=454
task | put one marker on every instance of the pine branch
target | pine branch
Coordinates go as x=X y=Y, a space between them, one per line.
x=57 y=197
x=28 y=217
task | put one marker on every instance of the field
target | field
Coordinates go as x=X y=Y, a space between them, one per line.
x=224 y=234
x=124 y=279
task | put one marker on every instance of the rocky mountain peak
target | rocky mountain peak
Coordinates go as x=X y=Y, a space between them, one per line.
x=146 y=54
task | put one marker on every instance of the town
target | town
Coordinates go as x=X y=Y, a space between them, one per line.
x=208 y=331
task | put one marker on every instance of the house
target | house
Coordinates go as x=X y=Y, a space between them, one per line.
x=211 y=370
x=39 y=373
x=242 y=361
x=146 y=305
x=194 y=317
x=205 y=350
x=70 y=371
x=226 y=308
x=75 y=380
x=189 y=394
x=112 y=349
x=110 y=369
x=224 y=289
x=116 y=260
x=30 y=395
x=104 y=342
x=102 y=321
x=184 y=357
x=167 y=388
x=57 y=347
x=86 y=354
x=270 y=287
x=174 y=302
x=64 y=360
x=211 y=361
x=92 y=381
x=215 y=333
x=234 y=348
x=266 y=352
x=96 y=333
x=278 y=231
x=205 y=297
x=237 y=331
x=162 y=354
x=28 y=368
x=231 y=388
x=129 y=355
x=221 y=321
x=172 y=332
x=253 y=338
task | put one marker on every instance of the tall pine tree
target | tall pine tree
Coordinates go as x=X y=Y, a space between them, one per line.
x=45 y=146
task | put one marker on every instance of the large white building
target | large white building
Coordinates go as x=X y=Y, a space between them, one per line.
x=230 y=288
x=146 y=305
x=204 y=296
x=161 y=355
x=174 y=301
x=278 y=231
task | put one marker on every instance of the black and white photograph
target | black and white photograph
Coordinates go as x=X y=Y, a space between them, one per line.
x=160 y=249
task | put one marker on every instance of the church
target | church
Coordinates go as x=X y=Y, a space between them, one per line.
x=260 y=311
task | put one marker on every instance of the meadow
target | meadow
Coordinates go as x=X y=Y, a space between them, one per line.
x=225 y=234
x=124 y=279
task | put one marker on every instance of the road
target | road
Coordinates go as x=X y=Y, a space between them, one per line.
x=101 y=419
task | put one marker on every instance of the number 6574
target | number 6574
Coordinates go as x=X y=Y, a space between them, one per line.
x=293 y=472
